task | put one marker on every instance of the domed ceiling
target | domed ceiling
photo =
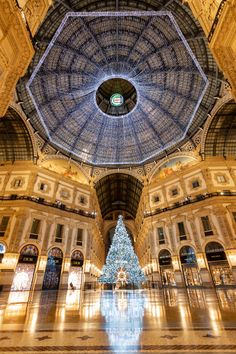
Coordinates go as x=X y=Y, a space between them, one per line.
x=119 y=88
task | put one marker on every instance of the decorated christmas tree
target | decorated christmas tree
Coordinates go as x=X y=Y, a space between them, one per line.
x=122 y=265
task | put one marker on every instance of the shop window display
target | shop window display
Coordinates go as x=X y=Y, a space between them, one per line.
x=166 y=269
x=76 y=270
x=25 y=269
x=219 y=267
x=190 y=267
x=53 y=269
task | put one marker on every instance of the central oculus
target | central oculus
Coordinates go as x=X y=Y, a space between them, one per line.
x=116 y=97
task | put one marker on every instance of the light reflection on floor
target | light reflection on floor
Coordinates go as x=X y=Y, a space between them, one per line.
x=123 y=313
x=122 y=322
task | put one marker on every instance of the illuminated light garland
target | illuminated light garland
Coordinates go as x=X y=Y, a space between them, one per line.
x=122 y=265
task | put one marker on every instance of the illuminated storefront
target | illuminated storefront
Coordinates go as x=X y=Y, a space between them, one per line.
x=52 y=275
x=189 y=266
x=76 y=270
x=25 y=269
x=219 y=267
x=166 y=268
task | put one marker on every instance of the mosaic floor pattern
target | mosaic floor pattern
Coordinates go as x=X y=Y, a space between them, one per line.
x=156 y=321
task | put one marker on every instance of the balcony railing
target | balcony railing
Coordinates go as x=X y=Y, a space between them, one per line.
x=216 y=20
x=56 y=204
x=190 y=200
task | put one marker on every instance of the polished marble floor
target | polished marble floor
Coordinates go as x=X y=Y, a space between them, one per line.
x=142 y=321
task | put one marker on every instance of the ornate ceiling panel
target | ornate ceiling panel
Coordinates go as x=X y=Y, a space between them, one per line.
x=164 y=77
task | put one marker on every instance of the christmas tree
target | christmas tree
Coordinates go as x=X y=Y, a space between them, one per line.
x=122 y=265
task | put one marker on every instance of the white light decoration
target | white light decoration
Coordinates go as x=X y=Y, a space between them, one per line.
x=122 y=276
x=122 y=265
x=75 y=277
x=21 y=281
x=168 y=81
x=123 y=312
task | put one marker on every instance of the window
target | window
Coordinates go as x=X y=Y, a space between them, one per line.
x=220 y=178
x=161 y=236
x=79 y=239
x=3 y=225
x=65 y=193
x=43 y=187
x=35 y=229
x=206 y=226
x=195 y=184
x=59 y=233
x=174 y=192
x=17 y=182
x=234 y=215
x=182 y=233
x=155 y=199
x=83 y=200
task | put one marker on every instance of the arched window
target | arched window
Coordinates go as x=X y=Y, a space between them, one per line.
x=187 y=255
x=164 y=257
x=52 y=274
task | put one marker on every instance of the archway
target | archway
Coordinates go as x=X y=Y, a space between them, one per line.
x=76 y=270
x=15 y=140
x=119 y=192
x=189 y=266
x=218 y=264
x=25 y=269
x=52 y=274
x=221 y=134
x=166 y=268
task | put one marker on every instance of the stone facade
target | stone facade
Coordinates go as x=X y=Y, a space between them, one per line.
x=28 y=193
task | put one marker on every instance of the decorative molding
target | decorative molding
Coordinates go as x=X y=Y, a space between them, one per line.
x=99 y=173
x=35 y=12
x=16 y=51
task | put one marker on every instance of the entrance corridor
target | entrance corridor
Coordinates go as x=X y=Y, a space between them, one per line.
x=141 y=321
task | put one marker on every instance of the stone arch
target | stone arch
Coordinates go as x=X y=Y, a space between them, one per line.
x=217 y=110
x=16 y=141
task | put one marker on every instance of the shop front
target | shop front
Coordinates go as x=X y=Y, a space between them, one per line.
x=52 y=274
x=25 y=269
x=76 y=270
x=190 y=267
x=166 y=268
x=220 y=270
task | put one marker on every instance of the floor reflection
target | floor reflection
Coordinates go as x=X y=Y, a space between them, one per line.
x=123 y=312
x=119 y=322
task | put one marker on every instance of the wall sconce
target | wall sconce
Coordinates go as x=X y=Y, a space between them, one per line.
x=9 y=261
x=67 y=265
x=232 y=256
x=87 y=266
x=200 y=261
x=175 y=263
x=42 y=263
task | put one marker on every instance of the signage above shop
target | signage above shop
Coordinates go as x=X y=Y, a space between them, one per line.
x=77 y=262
